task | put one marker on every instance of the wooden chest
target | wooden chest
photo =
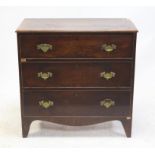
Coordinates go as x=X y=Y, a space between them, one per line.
x=76 y=71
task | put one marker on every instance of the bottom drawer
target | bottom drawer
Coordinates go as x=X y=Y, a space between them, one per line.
x=76 y=103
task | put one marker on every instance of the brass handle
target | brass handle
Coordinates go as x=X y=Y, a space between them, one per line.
x=45 y=76
x=107 y=103
x=46 y=103
x=44 y=47
x=108 y=48
x=107 y=75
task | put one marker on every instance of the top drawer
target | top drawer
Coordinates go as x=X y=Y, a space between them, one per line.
x=76 y=45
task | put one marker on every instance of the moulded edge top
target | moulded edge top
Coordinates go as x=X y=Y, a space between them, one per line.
x=76 y=25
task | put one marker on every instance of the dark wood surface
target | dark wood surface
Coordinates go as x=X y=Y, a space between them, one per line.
x=76 y=103
x=77 y=74
x=76 y=61
x=76 y=121
x=77 y=25
x=77 y=46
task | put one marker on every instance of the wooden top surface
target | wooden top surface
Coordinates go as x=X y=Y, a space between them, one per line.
x=77 y=25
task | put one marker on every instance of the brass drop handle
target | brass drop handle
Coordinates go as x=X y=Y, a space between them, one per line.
x=107 y=103
x=44 y=47
x=46 y=104
x=45 y=75
x=107 y=75
x=108 y=47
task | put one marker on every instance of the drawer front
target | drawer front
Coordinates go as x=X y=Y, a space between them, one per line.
x=76 y=45
x=76 y=103
x=86 y=74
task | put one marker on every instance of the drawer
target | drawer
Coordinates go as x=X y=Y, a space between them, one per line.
x=77 y=74
x=76 y=103
x=76 y=45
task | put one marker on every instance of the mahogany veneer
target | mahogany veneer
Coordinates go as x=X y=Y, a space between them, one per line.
x=76 y=71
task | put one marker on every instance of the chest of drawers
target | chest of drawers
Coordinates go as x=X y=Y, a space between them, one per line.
x=76 y=71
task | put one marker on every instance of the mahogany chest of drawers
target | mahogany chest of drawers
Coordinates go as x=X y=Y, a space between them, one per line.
x=76 y=71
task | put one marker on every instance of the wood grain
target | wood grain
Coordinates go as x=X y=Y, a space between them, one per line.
x=83 y=74
x=76 y=61
x=76 y=103
x=77 y=45
x=77 y=25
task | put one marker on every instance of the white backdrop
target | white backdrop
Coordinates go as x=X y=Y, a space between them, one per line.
x=96 y=135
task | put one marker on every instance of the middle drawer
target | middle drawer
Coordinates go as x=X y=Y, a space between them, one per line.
x=77 y=74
